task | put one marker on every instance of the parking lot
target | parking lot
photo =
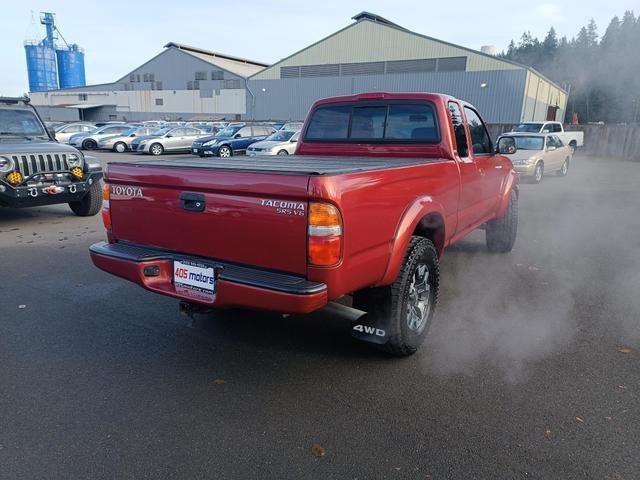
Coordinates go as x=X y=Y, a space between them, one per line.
x=530 y=370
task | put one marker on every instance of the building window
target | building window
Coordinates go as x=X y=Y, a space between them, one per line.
x=217 y=75
x=363 y=68
x=152 y=77
x=326 y=70
x=159 y=101
x=132 y=78
x=190 y=85
x=196 y=85
x=145 y=77
x=138 y=77
x=452 y=64
x=158 y=85
x=289 y=72
x=201 y=76
x=411 y=66
x=82 y=97
x=230 y=84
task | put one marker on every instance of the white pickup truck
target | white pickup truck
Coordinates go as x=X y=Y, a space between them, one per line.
x=573 y=139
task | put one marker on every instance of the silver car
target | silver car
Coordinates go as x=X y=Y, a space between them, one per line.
x=89 y=140
x=64 y=132
x=121 y=143
x=539 y=154
x=171 y=139
x=283 y=142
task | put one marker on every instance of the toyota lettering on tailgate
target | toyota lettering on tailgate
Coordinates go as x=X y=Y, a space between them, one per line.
x=125 y=192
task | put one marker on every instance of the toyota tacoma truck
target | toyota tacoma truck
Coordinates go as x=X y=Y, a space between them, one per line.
x=380 y=185
x=36 y=170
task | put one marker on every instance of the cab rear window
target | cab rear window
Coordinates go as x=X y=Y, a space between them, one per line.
x=357 y=123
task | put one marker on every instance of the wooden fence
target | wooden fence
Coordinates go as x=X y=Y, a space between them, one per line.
x=619 y=141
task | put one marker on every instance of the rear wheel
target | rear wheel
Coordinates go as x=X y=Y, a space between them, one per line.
x=565 y=168
x=283 y=152
x=156 y=149
x=224 y=151
x=407 y=306
x=501 y=233
x=89 y=144
x=120 y=147
x=90 y=204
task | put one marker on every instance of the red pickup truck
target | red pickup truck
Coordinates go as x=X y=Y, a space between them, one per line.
x=380 y=185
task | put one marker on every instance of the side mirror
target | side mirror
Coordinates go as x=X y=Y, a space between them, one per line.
x=132 y=135
x=506 y=146
x=551 y=148
x=237 y=135
x=295 y=140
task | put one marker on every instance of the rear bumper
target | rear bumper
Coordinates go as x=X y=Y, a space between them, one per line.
x=237 y=286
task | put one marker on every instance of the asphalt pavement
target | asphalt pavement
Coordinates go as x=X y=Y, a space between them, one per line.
x=531 y=368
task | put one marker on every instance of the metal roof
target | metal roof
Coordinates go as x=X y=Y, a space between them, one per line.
x=238 y=65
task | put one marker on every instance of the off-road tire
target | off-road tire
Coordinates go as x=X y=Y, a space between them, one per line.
x=564 y=169
x=154 y=146
x=90 y=204
x=391 y=301
x=120 y=147
x=501 y=232
x=89 y=145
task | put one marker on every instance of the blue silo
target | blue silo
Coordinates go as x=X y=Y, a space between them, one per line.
x=41 y=67
x=71 y=66
x=46 y=71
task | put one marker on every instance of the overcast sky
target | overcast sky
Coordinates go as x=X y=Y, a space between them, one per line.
x=119 y=35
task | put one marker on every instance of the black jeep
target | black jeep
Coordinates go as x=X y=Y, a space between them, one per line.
x=36 y=170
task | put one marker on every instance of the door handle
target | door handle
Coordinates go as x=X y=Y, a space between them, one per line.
x=192 y=202
x=498 y=166
x=481 y=171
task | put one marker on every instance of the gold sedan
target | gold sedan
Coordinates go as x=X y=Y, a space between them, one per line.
x=539 y=154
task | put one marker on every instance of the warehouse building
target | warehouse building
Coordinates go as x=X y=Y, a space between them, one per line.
x=374 y=54
x=181 y=82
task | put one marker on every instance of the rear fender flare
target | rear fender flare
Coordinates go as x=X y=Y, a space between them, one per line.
x=509 y=185
x=423 y=208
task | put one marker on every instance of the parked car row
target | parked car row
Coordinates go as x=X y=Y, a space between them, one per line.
x=204 y=139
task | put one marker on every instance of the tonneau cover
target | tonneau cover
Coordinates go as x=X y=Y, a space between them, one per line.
x=290 y=164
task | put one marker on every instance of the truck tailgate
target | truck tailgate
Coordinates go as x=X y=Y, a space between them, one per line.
x=249 y=218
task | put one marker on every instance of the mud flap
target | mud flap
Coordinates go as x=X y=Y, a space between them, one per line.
x=372 y=329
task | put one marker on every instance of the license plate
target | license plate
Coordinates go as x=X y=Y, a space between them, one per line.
x=195 y=150
x=194 y=276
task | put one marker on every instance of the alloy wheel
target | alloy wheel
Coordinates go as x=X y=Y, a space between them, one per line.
x=419 y=299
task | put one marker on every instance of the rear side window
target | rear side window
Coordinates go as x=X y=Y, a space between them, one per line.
x=395 y=122
x=329 y=123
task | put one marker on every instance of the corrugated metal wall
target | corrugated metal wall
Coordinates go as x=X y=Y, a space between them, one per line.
x=500 y=101
x=539 y=95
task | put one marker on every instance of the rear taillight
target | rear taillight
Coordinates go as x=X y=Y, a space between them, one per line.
x=324 y=234
x=106 y=210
